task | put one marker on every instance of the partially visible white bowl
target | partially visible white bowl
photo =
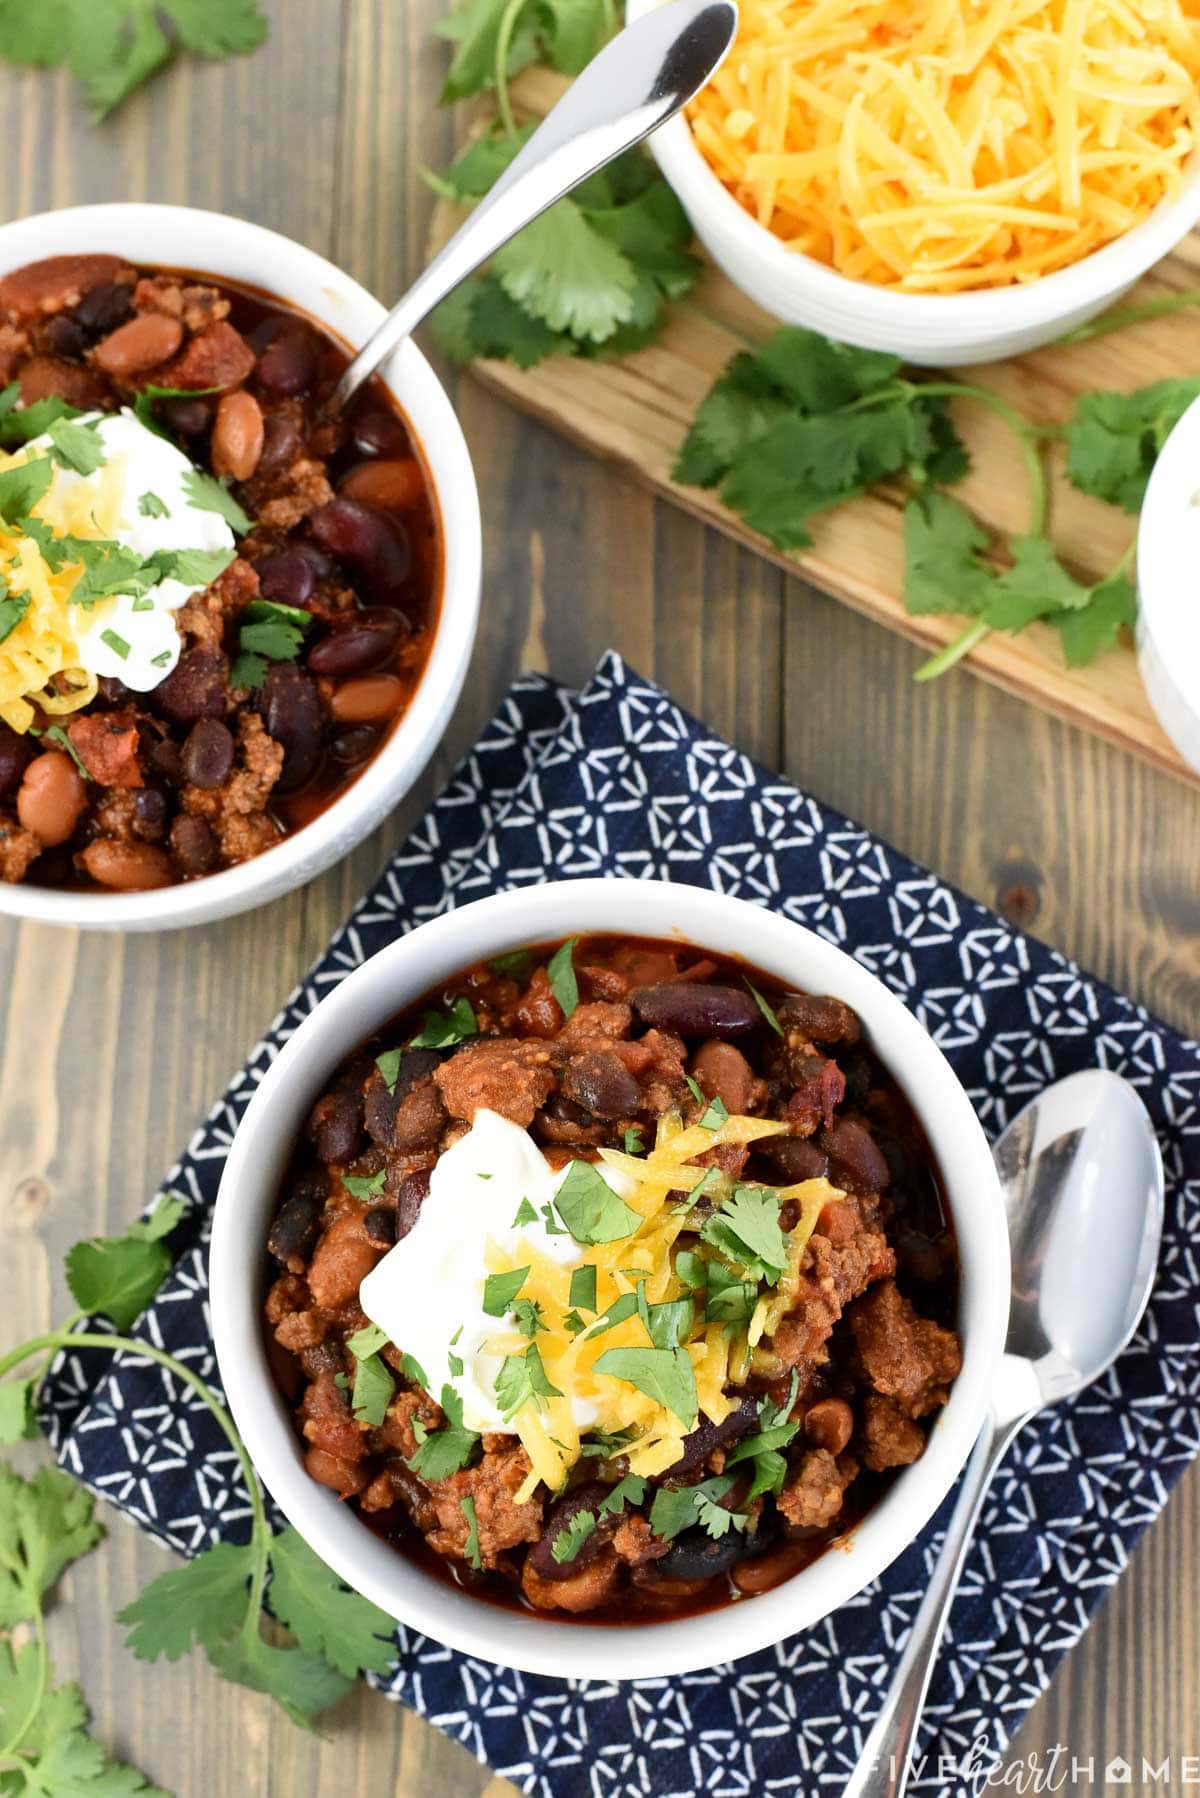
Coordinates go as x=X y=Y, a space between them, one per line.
x=236 y=250
x=932 y=330
x=1168 y=574
x=394 y=979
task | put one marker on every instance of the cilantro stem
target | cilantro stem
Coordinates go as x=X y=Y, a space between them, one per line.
x=9 y=1750
x=1027 y=435
x=953 y=652
x=504 y=37
x=1120 y=317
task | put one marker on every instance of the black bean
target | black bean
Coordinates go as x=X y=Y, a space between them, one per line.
x=708 y=1435
x=65 y=336
x=105 y=307
x=150 y=811
x=16 y=753
x=336 y=1124
x=163 y=758
x=691 y=1008
x=695 y=1555
x=292 y=715
x=187 y=418
x=354 y=745
x=380 y=1224
x=411 y=1194
x=601 y=1084
x=587 y=1497
x=195 y=687
x=359 y=641
x=370 y=543
x=382 y=1104
x=207 y=753
x=294 y=1232
x=194 y=844
x=114 y=691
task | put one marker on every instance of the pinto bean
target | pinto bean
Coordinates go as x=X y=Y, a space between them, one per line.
x=127 y=867
x=856 y=1162
x=207 y=753
x=292 y=715
x=771 y=1569
x=722 y=1072
x=344 y=1257
x=57 y=281
x=591 y=1586
x=148 y=339
x=371 y=699
x=344 y=1477
x=829 y=1424
x=51 y=797
x=395 y=484
x=360 y=641
x=370 y=543
x=238 y=435
x=601 y=1084
x=692 y=1008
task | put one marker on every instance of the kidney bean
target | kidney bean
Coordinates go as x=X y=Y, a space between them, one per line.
x=207 y=754
x=371 y=699
x=352 y=746
x=288 y=578
x=51 y=797
x=127 y=867
x=294 y=1232
x=104 y=308
x=360 y=640
x=64 y=336
x=794 y=1158
x=195 y=687
x=587 y=1497
x=820 y=1018
x=722 y=1072
x=370 y=543
x=708 y=1435
x=382 y=1105
x=148 y=339
x=54 y=282
x=163 y=758
x=188 y=418
x=600 y=1082
x=194 y=844
x=829 y=1424
x=378 y=432
x=150 y=814
x=335 y=1125
x=288 y=365
x=292 y=715
x=411 y=1194
x=380 y=1225
x=281 y=442
x=690 y=1008
x=856 y=1162
x=395 y=483
x=16 y=753
x=237 y=439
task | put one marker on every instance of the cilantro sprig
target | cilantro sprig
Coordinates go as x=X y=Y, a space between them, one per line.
x=214 y=1601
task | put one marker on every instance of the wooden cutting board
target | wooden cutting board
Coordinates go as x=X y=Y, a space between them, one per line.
x=636 y=412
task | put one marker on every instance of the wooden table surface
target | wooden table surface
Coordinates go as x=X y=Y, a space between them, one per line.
x=114 y=1047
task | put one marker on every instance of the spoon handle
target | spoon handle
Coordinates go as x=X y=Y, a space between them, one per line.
x=635 y=84
x=883 y=1765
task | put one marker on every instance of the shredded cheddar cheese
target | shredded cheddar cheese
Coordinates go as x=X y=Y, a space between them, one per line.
x=934 y=146
x=549 y=1430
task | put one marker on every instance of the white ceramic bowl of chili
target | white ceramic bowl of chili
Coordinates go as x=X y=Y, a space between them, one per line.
x=362 y=1005
x=233 y=249
x=930 y=330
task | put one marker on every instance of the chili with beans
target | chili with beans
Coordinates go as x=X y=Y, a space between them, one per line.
x=616 y=1044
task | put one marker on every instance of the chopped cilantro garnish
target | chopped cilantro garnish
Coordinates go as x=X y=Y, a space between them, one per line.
x=389 y=1067
x=522 y=1380
x=367 y=1341
x=161 y=659
x=413 y=1370
x=525 y=1215
x=21 y=425
x=142 y=604
x=617 y=1312
x=499 y=1290
x=150 y=506
x=23 y=486
x=13 y=608
x=364 y=1186
x=374 y=1389
x=143 y=405
x=269 y=632
x=667 y=1323
x=715 y=1112
x=441 y=1030
x=77 y=447
x=527 y=1314
x=731 y=1300
x=455 y=1363
x=515 y=965
x=629 y=1491
x=590 y=1208
x=570 y=1539
x=573 y=1323
x=775 y=1431
x=766 y=1009
x=208 y=495
x=583 y=1288
x=444 y=1451
x=674 y=1511
x=633 y=1142
x=692 y=1269
x=746 y=1229
x=116 y=643
x=664 y=1375
x=471 y=1547
x=607 y=1443
x=563 y=983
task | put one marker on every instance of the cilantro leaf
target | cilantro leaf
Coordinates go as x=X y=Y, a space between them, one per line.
x=561 y=970
x=570 y=1539
x=1092 y=628
x=668 y=1322
x=207 y=494
x=617 y=1312
x=13 y=608
x=374 y=1389
x=442 y=1030
x=18 y=1419
x=349 y=1632
x=746 y=1229
x=304 y=1684
x=26 y=422
x=471 y=1546
x=1113 y=439
x=590 y=1208
x=200 y=1602
x=562 y=270
x=499 y=1290
x=119 y=1275
x=443 y=1452
x=674 y=1511
x=583 y=1287
x=729 y=1299
x=77 y=447
x=715 y=1518
x=473 y=27
x=740 y=406
x=23 y=486
x=45 y=1523
x=629 y=1491
x=521 y=1381
x=525 y=1214
x=1036 y=586
x=633 y=1144
x=664 y=1375
x=944 y=566
x=364 y=1186
x=515 y=965
x=268 y=632
x=527 y=1315
x=53 y=1753
x=150 y=506
x=200 y=567
x=367 y=1341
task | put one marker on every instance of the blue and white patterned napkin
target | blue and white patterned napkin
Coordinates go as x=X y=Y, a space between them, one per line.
x=618 y=780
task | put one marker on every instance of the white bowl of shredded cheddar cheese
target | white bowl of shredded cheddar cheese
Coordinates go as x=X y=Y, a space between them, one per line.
x=952 y=183
x=360 y=1007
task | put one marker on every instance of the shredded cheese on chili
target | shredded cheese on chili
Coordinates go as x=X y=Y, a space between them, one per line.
x=938 y=145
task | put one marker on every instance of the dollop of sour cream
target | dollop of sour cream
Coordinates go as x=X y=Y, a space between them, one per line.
x=427 y=1292
x=138 y=498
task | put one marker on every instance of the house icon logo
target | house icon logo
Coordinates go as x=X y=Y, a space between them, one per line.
x=1118 y=1773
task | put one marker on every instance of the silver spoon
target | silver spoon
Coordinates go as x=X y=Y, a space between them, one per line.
x=635 y=84
x=1083 y=1189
